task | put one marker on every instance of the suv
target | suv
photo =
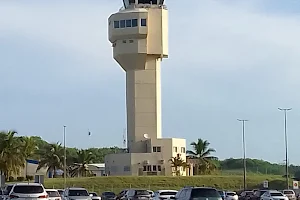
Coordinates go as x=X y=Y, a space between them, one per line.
x=135 y=194
x=32 y=191
x=290 y=194
x=6 y=191
x=76 y=194
x=206 y=193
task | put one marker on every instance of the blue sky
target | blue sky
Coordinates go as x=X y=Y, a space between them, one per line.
x=57 y=69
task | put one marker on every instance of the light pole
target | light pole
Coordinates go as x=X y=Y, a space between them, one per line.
x=286 y=146
x=65 y=159
x=244 y=151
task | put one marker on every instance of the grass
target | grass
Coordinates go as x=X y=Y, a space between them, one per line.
x=116 y=184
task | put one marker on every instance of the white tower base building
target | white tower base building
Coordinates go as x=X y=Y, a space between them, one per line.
x=139 y=36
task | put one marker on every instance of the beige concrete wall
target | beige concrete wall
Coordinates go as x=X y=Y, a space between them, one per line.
x=115 y=164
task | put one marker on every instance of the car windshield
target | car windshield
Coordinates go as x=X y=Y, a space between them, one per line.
x=231 y=193
x=28 y=189
x=249 y=192
x=288 y=192
x=276 y=194
x=167 y=193
x=204 y=192
x=93 y=194
x=53 y=193
x=76 y=193
x=8 y=189
x=111 y=194
x=142 y=192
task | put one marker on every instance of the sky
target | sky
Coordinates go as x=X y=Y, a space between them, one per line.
x=228 y=59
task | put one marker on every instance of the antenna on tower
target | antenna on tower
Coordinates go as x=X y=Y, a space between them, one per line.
x=124 y=138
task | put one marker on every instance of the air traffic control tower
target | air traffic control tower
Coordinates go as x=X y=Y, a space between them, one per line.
x=139 y=37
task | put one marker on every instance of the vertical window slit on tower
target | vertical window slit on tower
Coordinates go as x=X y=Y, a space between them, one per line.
x=116 y=24
x=143 y=22
x=128 y=23
x=122 y=23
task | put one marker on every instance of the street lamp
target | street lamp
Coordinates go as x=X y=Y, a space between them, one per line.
x=286 y=146
x=65 y=159
x=244 y=151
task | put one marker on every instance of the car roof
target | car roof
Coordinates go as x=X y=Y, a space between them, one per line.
x=76 y=188
x=25 y=184
x=273 y=191
x=167 y=191
x=52 y=190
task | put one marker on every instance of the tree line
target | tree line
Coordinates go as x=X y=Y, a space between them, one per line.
x=15 y=150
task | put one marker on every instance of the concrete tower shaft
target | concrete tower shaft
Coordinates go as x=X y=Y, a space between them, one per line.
x=139 y=36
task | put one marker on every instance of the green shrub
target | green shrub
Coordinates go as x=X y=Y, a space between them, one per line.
x=11 y=179
x=21 y=179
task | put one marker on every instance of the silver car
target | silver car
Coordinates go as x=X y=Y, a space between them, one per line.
x=25 y=191
x=76 y=194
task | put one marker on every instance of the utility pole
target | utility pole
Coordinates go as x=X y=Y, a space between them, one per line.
x=244 y=152
x=65 y=159
x=286 y=146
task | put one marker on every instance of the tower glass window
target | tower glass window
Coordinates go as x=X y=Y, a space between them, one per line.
x=143 y=22
x=128 y=23
x=122 y=24
x=134 y=22
x=116 y=24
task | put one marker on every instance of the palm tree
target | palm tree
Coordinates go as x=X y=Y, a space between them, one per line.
x=52 y=157
x=202 y=153
x=80 y=167
x=10 y=145
x=178 y=162
x=30 y=147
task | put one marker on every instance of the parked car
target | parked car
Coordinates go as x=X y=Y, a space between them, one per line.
x=134 y=194
x=222 y=194
x=273 y=195
x=61 y=192
x=6 y=191
x=76 y=194
x=94 y=196
x=231 y=195
x=121 y=195
x=290 y=194
x=25 y=191
x=53 y=194
x=257 y=194
x=108 y=196
x=164 y=194
x=246 y=195
x=206 y=193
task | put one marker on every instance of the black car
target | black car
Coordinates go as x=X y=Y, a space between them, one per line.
x=108 y=196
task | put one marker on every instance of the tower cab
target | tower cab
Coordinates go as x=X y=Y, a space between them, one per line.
x=153 y=2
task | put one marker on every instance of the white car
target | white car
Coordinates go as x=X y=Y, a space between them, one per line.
x=25 y=191
x=273 y=195
x=53 y=194
x=94 y=196
x=76 y=194
x=290 y=194
x=231 y=196
x=164 y=194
